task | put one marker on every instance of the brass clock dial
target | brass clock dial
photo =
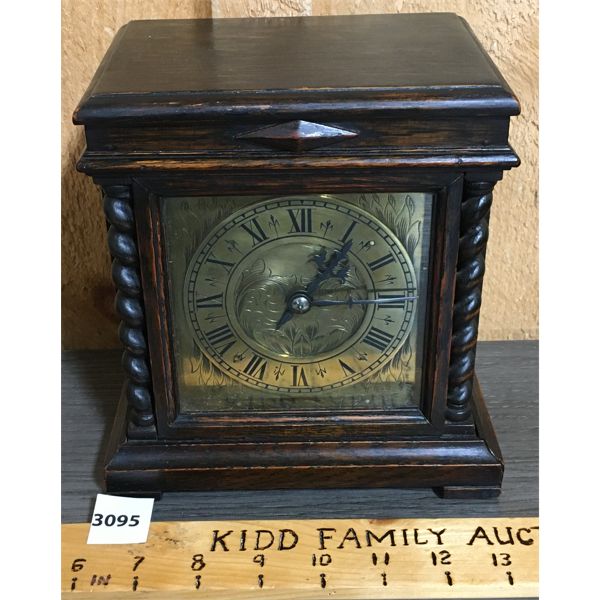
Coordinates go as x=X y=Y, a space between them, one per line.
x=286 y=295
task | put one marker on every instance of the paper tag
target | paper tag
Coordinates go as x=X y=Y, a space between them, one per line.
x=119 y=520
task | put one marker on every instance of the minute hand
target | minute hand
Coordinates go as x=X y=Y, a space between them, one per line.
x=351 y=302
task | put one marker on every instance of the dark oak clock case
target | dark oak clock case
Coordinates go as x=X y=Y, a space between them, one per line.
x=287 y=106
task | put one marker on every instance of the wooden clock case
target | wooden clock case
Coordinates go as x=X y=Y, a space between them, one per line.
x=286 y=106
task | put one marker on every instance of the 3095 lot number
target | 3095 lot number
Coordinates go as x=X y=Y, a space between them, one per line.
x=118 y=520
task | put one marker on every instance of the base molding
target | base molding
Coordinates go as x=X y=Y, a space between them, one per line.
x=455 y=466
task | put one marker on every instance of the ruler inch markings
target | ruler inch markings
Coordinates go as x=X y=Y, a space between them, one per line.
x=309 y=559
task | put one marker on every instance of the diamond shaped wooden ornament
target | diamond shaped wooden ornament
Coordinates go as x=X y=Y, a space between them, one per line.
x=297 y=136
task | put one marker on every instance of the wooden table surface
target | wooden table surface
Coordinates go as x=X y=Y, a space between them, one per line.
x=508 y=374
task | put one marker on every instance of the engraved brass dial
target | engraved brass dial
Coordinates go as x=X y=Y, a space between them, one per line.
x=286 y=295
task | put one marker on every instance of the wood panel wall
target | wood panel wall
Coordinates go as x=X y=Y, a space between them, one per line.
x=508 y=29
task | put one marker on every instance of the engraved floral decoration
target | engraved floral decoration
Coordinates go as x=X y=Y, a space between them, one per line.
x=398 y=212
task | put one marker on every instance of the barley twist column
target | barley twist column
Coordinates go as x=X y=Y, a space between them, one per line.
x=474 y=217
x=129 y=305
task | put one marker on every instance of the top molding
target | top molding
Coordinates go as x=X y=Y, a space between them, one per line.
x=207 y=69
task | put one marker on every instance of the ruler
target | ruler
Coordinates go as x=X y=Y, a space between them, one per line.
x=309 y=559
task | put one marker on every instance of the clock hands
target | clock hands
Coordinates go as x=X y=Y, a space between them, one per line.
x=300 y=302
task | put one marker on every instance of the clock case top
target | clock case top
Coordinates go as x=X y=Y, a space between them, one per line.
x=284 y=106
x=412 y=90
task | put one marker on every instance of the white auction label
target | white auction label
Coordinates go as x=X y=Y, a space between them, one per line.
x=120 y=520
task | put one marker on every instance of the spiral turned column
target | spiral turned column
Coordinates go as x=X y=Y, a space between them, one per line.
x=474 y=217
x=126 y=276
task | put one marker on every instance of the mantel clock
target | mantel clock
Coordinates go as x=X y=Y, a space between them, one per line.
x=298 y=213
